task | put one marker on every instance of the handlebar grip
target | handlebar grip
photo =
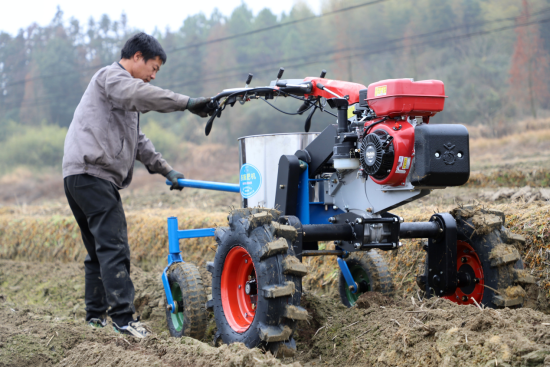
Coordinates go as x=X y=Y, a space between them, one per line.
x=281 y=71
x=323 y=73
x=209 y=124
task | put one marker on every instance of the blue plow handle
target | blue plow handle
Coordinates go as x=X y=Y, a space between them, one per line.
x=207 y=185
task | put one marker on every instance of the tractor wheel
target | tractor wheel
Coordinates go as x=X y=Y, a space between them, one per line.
x=257 y=282
x=486 y=250
x=370 y=272
x=189 y=295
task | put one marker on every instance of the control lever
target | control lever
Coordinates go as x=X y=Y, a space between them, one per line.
x=305 y=105
x=212 y=105
x=209 y=124
x=248 y=80
x=280 y=75
x=307 y=125
x=322 y=87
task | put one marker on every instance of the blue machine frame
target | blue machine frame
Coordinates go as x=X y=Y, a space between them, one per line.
x=308 y=213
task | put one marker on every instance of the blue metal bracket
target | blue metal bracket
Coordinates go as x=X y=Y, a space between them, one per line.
x=174 y=252
x=302 y=210
x=347 y=275
x=207 y=185
x=167 y=290
x=312 y=212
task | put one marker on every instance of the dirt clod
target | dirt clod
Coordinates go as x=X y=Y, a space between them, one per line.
x=515 y=292
x=373 y=299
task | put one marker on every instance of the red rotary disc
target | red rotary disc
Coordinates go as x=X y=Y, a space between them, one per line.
x=468 y=261
x=238 y=308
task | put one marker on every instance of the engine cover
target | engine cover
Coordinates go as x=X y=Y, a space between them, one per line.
x=377 y=154
x=442 y=156
x=387 y=151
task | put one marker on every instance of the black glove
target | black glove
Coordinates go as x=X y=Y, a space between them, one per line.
x=173 y=176
x=199 y=106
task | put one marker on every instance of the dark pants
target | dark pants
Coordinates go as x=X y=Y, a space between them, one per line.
x=97 y=208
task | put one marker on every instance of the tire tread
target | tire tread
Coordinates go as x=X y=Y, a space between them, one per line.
x=194 y=298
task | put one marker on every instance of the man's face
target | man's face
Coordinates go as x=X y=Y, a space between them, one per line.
x=146 y=71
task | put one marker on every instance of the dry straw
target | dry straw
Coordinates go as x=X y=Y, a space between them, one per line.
x=49 y=238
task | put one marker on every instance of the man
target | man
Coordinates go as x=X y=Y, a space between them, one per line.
x=102 y=144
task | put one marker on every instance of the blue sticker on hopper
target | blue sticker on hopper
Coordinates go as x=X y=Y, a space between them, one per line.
x=250 y=180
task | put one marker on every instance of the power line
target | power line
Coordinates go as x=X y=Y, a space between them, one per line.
x=283 y=25
x=280 y=25
x=324 y=53
x=438 y=32
x=23 y=81
x=369 y=52
x=373 y=52
x=217 y=40
x=422 y=35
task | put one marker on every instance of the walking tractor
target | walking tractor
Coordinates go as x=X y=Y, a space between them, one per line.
x=299 y=189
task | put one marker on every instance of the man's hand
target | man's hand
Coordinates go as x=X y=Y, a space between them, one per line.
x=199 y=106
x=173 y=176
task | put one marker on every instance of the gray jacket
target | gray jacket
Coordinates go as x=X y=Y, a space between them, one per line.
x=104 y=138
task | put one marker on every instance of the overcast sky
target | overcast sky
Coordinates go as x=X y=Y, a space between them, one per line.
x=145 y=15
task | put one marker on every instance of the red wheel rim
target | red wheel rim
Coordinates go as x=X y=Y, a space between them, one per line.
x=467 y=257
x=238 y=308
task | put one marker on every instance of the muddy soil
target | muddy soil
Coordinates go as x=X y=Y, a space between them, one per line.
x=42 y=324
x=435 y=332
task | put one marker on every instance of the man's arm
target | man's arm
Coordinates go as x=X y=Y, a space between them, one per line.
x=132 y=94
x=152 y=159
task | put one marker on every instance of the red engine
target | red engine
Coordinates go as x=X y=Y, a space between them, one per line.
x=386 y=152
x=404 y=97
x=390 y=107
x=387 y=148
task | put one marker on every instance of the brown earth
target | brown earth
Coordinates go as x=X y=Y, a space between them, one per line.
x=416 y=332
x=42 y=280
x=47 y=297
x=41 y=320
x=42 y=324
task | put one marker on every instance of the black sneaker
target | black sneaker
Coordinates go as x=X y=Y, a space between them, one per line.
x=98 y=323
x=134 y=328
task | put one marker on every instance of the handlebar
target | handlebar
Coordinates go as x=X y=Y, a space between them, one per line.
x=296 y=88
x=207 y=185
x=232 y=94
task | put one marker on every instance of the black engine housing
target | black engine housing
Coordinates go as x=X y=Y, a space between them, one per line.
x=442 y=155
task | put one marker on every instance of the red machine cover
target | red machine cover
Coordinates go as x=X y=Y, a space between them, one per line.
x=404 y=97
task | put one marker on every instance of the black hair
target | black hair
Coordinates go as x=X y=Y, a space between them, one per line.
x=148 y=45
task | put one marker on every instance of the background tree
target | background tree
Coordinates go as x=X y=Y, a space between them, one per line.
x=529 y=71
x=495 y=68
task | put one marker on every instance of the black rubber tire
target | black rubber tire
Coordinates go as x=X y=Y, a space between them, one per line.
x=376 y=269
x=483 y=229
x=192 y=320
x=257 y=230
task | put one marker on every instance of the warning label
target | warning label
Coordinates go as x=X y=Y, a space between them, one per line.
x=380 y=91
x=403 y=164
